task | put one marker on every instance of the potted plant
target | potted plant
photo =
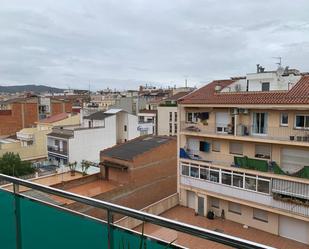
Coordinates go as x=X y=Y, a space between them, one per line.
x=85 y=166
x=72 y=167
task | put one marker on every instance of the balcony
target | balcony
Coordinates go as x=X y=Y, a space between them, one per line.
x=24 y=136
x=56 y=149
x=239 y=184
x=243 y=132
x=32 y=224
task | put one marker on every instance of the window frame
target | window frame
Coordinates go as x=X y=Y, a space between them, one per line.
x=262 y=84
x=300 y=127
x=232 y=153
x=281 y=116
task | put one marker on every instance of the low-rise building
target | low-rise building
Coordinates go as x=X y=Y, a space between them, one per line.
x=30 y=143
x=83 y=142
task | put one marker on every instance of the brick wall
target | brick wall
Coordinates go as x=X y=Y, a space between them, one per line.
x=23 y=115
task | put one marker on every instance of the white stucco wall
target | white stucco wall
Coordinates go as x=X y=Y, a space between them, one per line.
x=87 y=143
x=132 y=127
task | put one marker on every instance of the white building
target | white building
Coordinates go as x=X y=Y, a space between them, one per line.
x=98 y=131
x=147 y=122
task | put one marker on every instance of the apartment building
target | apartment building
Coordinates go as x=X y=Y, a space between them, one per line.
x=97 y=131
x=23 y=112
x=30 y=143
x=147 y=122
x=168 y=114
x=244 y=151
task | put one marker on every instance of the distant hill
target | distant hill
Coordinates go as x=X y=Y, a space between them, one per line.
x=30 y=88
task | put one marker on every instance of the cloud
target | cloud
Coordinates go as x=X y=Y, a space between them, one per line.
x=109 y=43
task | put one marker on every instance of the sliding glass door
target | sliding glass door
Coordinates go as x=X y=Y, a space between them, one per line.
x=260 y=123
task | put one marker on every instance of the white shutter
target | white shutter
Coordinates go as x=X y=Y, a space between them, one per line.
x=293 y=160
x=190 y=199
x=193 y=145
x=222 y=119
x=294 y=229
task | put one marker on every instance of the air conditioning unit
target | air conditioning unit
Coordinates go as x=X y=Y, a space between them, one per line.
x=234 y=111
x=244 y=111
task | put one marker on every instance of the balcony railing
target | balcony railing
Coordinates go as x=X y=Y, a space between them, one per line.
x=281 y=133
x=249 y=187
x=30 y=224
x=24 y=136
x=57 y=150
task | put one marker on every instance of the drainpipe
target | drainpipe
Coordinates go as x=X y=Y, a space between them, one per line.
x=235 y=123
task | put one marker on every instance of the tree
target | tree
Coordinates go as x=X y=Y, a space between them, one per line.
x=12 y=165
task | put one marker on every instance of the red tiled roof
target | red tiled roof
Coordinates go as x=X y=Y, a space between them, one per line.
x=299 y=94
x=55 y=118
x=148 y=111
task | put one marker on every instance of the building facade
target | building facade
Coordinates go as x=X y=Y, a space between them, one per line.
x=97 y=131
x=244 y=151
x=147 y=122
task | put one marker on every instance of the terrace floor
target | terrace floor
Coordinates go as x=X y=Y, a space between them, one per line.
x=186 y=215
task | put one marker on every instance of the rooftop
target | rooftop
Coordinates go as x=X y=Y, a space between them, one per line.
x=100 y=115
x=187 y=215
x=298 y=94
x=127 y=151
x=55 y=118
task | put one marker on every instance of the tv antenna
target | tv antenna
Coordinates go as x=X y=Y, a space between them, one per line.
x=279 y=58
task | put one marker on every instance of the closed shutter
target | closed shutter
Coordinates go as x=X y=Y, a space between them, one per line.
x=222 y=120
x=262 y=151
x=293 y=160
x=234 y=208
x=260 y=215
x=294 y=229
x=190 y=199
x=193 y=145
x=236 y=148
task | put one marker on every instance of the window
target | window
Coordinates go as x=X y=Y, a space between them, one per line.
x=226 y=177
x=259 y=125
x=284 y=119
x=175 y=116
x=204 y=173
x=265 y=86
x=171 y=116
x=262 y=151
x=260 y=215
x=194 y=172
x=214 y=175
x=192 y=117
x=204 y=146
x=125 y=128
x=234 y=208
x=238 y=180
x=171 y=128
x=302 y=121
x=236 y=148
x=175 y=128
x=215 y=203
x=263 y=185
x=250 y=182
x=216 y=146
x=185 y=170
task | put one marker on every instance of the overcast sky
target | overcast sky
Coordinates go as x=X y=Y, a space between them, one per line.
x=72 y=43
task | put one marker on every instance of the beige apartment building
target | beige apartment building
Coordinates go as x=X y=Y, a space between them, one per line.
x=31 y=143
x=244 y=151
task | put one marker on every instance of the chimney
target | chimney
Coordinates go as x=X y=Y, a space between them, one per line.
x=257 y=68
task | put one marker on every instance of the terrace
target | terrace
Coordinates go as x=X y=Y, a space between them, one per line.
x=56 y=227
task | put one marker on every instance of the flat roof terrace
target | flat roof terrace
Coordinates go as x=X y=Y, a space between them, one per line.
x=187 y=215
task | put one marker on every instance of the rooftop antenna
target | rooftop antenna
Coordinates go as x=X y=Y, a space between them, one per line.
x=279 y=58
x=186 y=81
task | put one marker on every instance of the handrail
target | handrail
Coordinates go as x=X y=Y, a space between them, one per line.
x=146 y=217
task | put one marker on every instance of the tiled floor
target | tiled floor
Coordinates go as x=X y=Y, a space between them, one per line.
x=51 y=180
x=89 y=189
x=186 y=215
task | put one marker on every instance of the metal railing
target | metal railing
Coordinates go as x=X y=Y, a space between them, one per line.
x=64 y=151
x=145 y=217
x=281 y=133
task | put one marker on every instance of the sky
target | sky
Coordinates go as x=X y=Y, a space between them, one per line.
x=122 y=44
